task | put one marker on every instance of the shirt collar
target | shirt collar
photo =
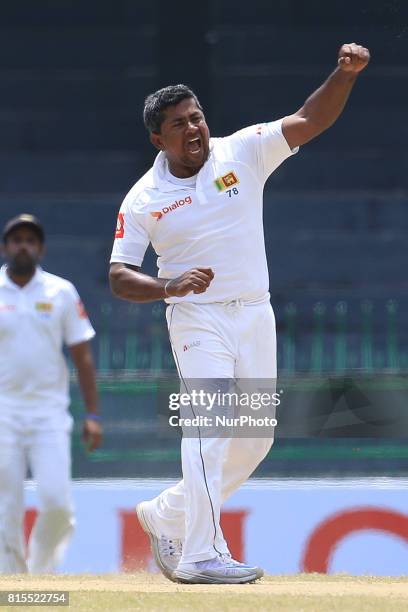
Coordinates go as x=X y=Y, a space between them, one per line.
x=160 y=180
x=5 y=280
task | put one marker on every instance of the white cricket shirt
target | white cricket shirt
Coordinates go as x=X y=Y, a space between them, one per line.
x=214 y=221
x=35 y=321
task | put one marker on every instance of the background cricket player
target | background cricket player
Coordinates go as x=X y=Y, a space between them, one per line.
x=39 y=312
x=200 y=206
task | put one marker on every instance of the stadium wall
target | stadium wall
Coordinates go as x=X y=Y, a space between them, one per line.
x=354 y=526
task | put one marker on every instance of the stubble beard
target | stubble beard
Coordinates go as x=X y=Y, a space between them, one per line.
x=22 y=268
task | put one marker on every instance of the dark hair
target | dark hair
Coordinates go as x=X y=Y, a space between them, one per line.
x=157 y=102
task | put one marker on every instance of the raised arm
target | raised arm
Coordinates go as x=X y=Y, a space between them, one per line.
x=326 y=104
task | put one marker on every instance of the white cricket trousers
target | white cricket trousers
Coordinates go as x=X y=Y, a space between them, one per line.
x=44 y=447
x=235 y=340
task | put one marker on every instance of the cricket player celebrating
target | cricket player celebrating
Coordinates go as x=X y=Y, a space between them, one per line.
x=200 y=206
x=38 y=313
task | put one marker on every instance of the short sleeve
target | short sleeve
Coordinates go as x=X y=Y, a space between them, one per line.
x=263 y=147
x=77 y=327
x=131 y=238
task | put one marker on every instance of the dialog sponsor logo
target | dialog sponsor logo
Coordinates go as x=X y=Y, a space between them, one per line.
x=8 y=307
x=171 y=207
x=191 y=345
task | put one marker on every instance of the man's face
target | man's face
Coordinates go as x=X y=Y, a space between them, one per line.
x=184 y=136
x=23 y=250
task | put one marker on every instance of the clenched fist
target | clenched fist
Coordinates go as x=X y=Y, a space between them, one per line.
x=353 y=57
x=196 y=280
x=92 y=434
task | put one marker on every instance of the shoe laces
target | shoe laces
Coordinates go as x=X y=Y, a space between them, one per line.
x=171 y=547
x=228 y=560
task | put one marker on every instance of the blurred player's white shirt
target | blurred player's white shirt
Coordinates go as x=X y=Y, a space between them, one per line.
x=35 y=321
x=213 y=222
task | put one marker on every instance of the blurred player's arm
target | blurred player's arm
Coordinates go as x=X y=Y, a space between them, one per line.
x=129 y=283
x=326 y=104
x=83 y=361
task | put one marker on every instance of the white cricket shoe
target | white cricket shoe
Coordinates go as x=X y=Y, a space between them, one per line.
x=259 y=570
x=221 y=570
x=166 y=551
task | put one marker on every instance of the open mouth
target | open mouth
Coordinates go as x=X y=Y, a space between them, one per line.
x=194 y=145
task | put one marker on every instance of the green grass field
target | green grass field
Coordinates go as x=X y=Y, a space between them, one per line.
x=142 y=591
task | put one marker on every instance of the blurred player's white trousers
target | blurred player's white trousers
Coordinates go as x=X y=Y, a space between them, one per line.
x=44 y=447
x=232 y=340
